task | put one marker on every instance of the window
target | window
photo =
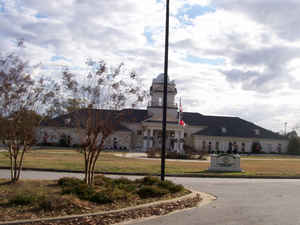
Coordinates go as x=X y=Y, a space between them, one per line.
x=224 y=130
x=217 y=146
x=257 y=132
x=279 y=148
x=115 y=143
x=185 y=135
x=243 y=147
x=139 y=132
x=270 y=148
x=230 y=146
x=160 y=101
x=209 y=146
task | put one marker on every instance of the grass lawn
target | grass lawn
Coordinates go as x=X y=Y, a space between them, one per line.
x=72 y=160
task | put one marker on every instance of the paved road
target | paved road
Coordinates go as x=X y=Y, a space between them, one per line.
x=239 y=201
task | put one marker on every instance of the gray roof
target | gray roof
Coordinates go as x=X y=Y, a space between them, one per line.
x=80 y=117
x=235 y=127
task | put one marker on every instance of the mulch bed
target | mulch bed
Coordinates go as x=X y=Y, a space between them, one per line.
x=131 y=214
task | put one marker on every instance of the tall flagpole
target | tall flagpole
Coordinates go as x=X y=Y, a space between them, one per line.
x=165 y=99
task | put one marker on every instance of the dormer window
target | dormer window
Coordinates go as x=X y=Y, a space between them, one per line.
x=257 y=132
x=224 y=130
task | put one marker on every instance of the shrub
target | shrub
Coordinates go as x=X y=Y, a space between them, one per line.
x=122 y=180
x=176 y=155
x=52 y=203
x=103 y=180
x=294 y=146
x=69 y=181
x=118 y=194
x=101 y=198
x=110 y=195
x=171 y=187
x=23 y=199
x=82 y=191
x=153 y=152
x=128 y=187
x=124 y=184
x=149 y=180
x=151 y=191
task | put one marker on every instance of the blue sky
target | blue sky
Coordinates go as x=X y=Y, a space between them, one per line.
x=1 y=6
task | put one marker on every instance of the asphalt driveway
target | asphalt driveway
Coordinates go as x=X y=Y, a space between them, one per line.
x=239 y=201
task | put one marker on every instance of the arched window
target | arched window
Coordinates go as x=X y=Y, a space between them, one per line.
x=209 y=146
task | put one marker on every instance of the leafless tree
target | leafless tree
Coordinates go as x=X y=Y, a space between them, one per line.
x=21 y=98
x=98 y=96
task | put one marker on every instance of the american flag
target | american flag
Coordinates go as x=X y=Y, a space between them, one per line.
x=181 y=122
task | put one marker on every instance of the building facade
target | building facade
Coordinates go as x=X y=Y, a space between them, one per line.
x=141 y=130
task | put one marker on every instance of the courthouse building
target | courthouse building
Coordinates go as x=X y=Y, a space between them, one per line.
x=141 y=129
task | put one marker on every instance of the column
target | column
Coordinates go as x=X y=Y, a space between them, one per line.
x=145 y=147
x=181 y=141
x=176 y=148
x=151 y=138
x=226 y=144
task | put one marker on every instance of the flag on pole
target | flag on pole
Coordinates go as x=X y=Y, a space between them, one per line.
x=181 y=122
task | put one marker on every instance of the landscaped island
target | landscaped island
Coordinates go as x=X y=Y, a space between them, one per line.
x=31 y=199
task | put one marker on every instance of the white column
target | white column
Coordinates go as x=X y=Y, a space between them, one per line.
x=247 y=146
x=226 y=143
x=151 y=138
x=176 y=144
x=181 y=143
x=145 y=147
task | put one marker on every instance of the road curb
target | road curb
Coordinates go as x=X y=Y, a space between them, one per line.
x=205 y=199
x=191 y=175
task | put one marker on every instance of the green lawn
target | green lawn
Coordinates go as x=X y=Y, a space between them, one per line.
x=69 y=159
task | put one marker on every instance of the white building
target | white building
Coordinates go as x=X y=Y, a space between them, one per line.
x=141 y=130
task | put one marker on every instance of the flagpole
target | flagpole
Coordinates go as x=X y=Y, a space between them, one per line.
x=164 y=121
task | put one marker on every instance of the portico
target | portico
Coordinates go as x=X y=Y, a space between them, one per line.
x=153 y=137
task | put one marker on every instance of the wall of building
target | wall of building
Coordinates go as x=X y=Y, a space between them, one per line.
x=53 y=135
x=268 y=145
x=136 y=136
x=133 y=141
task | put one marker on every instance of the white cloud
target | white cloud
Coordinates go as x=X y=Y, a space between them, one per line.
x=258 y=41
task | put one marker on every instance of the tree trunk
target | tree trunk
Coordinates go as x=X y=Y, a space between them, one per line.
x=20 y=163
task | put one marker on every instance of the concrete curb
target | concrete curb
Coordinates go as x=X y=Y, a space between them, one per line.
x=206 y=199
x=191 y=175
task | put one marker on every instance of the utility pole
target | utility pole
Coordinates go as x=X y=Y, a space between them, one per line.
x=165 y=96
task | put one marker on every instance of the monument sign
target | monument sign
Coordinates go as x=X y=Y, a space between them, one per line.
x=225 y=163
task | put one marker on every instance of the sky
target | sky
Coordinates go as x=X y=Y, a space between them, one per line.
x=228 y=57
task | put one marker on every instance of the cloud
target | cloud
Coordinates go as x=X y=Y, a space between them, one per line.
x=281 y=16
x=221 y=52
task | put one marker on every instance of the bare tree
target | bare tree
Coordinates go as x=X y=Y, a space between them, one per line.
x=21 y=98
x=99 y=95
